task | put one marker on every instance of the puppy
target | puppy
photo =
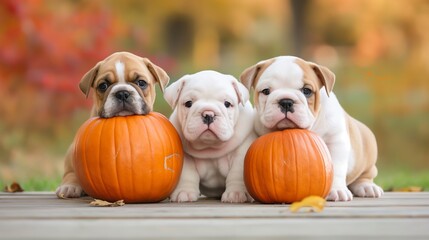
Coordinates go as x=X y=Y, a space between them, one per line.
x=292 y=93
x=124 y=84
x=214 y=118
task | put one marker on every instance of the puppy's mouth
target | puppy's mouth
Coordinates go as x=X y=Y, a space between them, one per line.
x=286 y=123
x=124 y=109
x=208 y=134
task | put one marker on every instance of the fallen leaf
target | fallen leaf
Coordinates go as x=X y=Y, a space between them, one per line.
x=314 y=203
x=408 y=189
x=101 y=203
x=14 y=187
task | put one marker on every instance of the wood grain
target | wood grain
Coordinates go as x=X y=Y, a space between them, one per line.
x=40 y=215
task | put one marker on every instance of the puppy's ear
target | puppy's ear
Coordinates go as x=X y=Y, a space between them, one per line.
x=158 y=73
x=172 y=92
x=250 y=76
x=241 y=91
x=326 y=76
x=88 y=79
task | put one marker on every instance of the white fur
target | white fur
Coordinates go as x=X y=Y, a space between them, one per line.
x=120 y=71
x=215 y=153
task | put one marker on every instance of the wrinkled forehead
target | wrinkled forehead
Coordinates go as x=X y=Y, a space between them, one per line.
x=284 y=72
x=208 y=87
x=128 y=65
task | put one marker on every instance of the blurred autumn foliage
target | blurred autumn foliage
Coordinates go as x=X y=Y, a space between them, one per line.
x=378 y=50
x=43 y=50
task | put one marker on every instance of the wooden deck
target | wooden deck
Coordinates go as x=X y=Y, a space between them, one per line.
x=40 y=215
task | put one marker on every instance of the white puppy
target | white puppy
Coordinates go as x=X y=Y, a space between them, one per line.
x=214 y=118
x=293 y=93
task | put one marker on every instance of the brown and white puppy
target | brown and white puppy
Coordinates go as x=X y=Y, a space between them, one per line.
x=124 y=84
x=213 y=117
x=292 y=93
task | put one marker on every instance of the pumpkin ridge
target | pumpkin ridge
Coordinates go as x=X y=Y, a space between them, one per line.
x=301 y=139
x=156 y=151
x=83 y=146
x=102 y=132
x=293 y=153
x=149 y=145
x=315 y=145
x=257 y=163
x=173 y=167
x=309 y=148
x=116 y=152
x=132 y=157
x=270 y=173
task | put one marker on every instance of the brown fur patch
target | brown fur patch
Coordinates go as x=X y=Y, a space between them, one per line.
x=311 y=80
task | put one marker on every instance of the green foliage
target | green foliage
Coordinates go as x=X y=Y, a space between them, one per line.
x=36 y=184
x=391 y=178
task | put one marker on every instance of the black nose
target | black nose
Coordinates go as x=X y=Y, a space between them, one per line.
x=122 y=95
x=208 y=119
x=286 y=105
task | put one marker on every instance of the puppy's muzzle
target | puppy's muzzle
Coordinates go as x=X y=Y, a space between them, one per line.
x=286 y=105
x=208 y=117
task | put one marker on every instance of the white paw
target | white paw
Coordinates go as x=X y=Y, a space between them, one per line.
x=184 y=196
x=340 y=194
x=236 y=197
x=69 y=191
x=366 y=189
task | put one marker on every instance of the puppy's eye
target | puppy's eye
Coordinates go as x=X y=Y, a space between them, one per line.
x=266 y=91
x=188 y=104
x=227 y=104
x=141 y=83
x=307 y=92
x=102 y=87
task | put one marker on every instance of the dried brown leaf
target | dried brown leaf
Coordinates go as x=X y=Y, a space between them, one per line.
x=14 y=187
x=102 y=203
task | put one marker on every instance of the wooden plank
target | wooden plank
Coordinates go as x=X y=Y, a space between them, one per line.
x=214 y=228
x=42 y=215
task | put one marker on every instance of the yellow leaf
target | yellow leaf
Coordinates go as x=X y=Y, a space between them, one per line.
x=315 y=203
x=408 y=189
x=101 y=203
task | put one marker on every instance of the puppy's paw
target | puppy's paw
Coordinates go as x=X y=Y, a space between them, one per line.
x=340 y=194
x=236 y=197
x=366 y=189
x=69 y=191
x=184 y=196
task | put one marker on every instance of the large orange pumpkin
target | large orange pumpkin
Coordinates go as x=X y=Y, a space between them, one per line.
x=287 y=166
x=134 y=158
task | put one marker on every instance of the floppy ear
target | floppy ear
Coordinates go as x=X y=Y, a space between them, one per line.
x=250 y=76
x=326 y=76
x=172 y=92
x=241 y=91
x=88 y=79
x=158 y=73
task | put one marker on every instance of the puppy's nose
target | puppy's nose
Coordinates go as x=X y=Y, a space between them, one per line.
x=122 y=95
x=208 y=117
x=286 y=105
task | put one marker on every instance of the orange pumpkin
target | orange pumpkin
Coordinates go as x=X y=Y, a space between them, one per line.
x=134 y=158
x=287 y=166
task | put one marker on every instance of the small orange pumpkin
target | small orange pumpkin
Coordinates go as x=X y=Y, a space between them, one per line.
x=287 y=166
x=133 y=158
